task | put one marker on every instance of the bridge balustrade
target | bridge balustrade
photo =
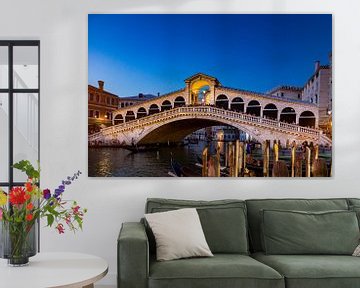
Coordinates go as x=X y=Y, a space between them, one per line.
x=214 y=111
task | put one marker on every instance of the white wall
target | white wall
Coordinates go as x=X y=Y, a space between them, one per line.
x=61 y=25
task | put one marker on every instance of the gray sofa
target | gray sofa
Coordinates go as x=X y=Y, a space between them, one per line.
x=233 y=230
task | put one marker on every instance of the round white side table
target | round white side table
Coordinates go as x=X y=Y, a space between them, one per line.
x=50 y=270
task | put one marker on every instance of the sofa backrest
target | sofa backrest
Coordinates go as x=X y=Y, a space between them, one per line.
x=255 y=206
x=224 y=222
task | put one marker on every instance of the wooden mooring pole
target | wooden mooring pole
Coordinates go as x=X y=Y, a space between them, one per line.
x=266 y=156
x=308 y=162
x=205 y=162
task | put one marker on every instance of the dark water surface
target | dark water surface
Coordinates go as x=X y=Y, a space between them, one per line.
x=118 y=162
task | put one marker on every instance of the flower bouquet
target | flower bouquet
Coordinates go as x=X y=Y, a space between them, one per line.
x=21 y=208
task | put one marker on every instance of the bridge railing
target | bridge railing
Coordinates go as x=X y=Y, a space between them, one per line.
x=208 y=110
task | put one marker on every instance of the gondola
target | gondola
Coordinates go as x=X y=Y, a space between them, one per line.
x=136 y=148
x=179 y=170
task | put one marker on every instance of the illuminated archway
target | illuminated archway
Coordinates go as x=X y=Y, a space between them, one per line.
x=307 y=119
x=179 y=102
x=166 y=105
x=237 y=104
x=270 y=111
x=141 y=112
x=254 y=108
x=154 y=109
x=222 y=101
x=129 y=116
x=200 y=92
x=288 y=115
x=118 y=119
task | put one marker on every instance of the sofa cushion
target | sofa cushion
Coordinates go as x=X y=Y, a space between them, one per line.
x=222 y=270
x=254 y=217
x=297 y=232
x=314 y=271
x=353 y=201
x=223 y=221
x=178 y=234
x=356 y=209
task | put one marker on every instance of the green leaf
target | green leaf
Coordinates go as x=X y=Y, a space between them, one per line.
x=50 y=219
x=26 y=167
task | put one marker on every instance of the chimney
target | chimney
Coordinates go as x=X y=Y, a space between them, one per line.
x=101 y=85
x=317 y=65
x=158 y=94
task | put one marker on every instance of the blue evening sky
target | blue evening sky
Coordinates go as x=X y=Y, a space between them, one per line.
x=155 y=53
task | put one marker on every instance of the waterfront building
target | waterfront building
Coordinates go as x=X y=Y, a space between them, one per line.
x=318 y=91
x=102 y=104
x=287 y=92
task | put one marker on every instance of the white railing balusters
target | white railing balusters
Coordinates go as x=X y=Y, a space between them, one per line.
x=211 y=111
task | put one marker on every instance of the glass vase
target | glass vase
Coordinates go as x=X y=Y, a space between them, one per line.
x=18 y=242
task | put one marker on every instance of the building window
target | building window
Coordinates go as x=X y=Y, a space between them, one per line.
x=97 y=114
x=108 y=101
x=91 y=97
x=299 y=96
x=282 y=94
x=97 y=98
x=19 y=108
x=91 y=113
x=316 y=98
x=122 y=105
x=112 y=101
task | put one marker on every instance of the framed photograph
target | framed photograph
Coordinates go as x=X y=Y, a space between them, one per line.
x=210 y=95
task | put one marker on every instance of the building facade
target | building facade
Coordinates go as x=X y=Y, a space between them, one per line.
x=317 y=90
x=287 y=92
x=102 y=104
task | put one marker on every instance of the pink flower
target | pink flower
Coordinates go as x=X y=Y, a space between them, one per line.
x=76 y=210
x=60 y=228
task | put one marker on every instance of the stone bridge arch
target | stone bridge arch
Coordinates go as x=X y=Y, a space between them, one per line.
x=174 y=124
x=176 y=130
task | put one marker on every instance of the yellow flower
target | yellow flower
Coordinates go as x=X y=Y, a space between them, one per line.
x=3 y=198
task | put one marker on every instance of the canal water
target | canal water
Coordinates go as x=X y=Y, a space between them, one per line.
x=118 y=162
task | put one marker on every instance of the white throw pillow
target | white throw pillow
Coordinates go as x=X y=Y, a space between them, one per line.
x=357 y=251
x=178 y=234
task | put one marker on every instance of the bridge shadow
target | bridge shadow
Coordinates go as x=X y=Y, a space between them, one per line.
x=177 y=130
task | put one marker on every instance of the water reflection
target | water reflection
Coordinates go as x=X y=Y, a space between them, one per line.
x=118 y=162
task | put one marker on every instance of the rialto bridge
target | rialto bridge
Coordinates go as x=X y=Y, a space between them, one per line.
x=205 y=102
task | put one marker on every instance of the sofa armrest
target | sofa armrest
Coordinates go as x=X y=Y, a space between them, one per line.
x=133 y=256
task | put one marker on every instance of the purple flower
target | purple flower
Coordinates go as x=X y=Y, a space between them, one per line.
x=46 y=194
x=64 y=183
x=57 y=193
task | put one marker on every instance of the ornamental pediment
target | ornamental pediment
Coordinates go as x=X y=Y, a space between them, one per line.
x=203 y=77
